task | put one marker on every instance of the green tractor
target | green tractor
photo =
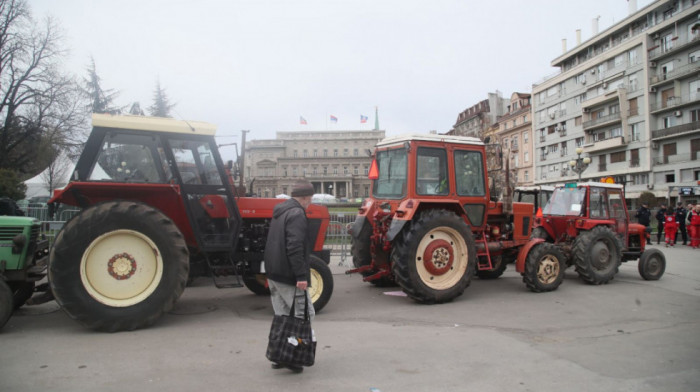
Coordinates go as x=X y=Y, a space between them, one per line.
x=23 y=257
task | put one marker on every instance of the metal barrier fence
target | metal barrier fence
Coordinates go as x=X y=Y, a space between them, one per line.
x=337 y=236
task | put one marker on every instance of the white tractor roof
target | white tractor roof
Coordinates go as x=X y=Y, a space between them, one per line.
x=154 y=124
x=596 y=184
x=535 y=188
x=430 y=138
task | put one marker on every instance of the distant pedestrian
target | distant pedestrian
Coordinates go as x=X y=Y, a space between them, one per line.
x=660 y=219
x=694 y=227
x=644 y=217
x=670 y=227
x=681 y=213
x=287 y=253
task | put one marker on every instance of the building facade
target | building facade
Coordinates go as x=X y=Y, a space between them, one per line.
x=335 y=162
x=515 y=136
x=629 y=98
x=477 y=119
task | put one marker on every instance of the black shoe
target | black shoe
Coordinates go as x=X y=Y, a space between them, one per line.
x=276 y=365
x=295 y=369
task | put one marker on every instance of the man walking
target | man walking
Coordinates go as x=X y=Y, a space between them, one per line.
x=681 y=215
x=660 y=217
x=287 y=257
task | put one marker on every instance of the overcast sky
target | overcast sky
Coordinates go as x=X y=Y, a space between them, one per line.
x=260 y=65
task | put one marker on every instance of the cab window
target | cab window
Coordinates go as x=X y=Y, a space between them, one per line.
x=431 y=172
x=469 y=173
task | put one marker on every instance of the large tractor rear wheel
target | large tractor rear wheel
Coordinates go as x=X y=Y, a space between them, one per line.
x=257 y=283
x=434 y=259
x=597 y=255
x=321 y=283
x=118 y=266
x=21 y=292
x=652 y=264
x=6 y=306
x=362 y=256
x=499 y=264
x=544 y=268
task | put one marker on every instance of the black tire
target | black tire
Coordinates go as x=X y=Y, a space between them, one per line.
x=361 y=255
x=256 y=283
x=449 y=243
x=597 y=255
x=544 y=268
x=499 y=264
x=90 y=287
x=21 y=292
x=540 y=232
x=652 y=264
x=6 y=305
x=321 y=283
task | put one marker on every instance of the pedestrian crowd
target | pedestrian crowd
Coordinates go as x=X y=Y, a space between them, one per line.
x=683 y=221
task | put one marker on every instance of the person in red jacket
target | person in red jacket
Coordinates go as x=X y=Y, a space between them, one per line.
x=694 y=227
x=670 y=227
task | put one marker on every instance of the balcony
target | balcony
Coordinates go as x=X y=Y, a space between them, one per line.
x=677 y=73
x=675 y=158
x=673 y=102
x=601 y=121
x=678 y=44
x=677 y=130
x=606 y=144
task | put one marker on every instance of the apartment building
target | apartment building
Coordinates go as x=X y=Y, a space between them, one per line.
x=335 y=162
x=629 y=98
x=514 y=134
x=477 y=119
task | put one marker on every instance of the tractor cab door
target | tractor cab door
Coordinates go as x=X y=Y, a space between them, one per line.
x=618 y=212
x=205 y=191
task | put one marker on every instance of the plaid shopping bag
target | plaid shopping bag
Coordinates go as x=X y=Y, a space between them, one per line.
x=292 y=340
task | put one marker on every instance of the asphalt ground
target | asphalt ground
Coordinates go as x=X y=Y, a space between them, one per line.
x=629 y=335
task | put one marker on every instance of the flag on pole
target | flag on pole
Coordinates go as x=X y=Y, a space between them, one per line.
x=302 y=120
x=363 y=119
x=334 y=119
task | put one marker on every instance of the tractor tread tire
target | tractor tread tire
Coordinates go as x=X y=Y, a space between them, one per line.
x=651 y=269
x=582 y=259
x=539 y=232
x=403 y=257
x=21 y=292
x=495 y=272
x=532 y=267
x=253 y=284
x=77 y=235
x=318 y=265
x=6 y=305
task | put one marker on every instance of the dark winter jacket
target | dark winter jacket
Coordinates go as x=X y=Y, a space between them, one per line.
x=680 y=216
x=288 y=247
x=661 y=216
x=643 y=216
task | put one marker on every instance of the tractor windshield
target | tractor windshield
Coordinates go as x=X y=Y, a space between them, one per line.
x=391 y=183
x=566 y=201
x=129 y=158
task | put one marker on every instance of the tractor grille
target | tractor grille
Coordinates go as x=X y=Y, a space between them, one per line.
x=9 y=232
x=34 y=234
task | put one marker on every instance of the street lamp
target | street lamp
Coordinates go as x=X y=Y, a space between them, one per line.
x=580 y=164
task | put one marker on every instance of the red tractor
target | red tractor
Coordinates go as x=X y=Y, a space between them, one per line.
x=585 y=225
x=158 y=209
x=430 y=223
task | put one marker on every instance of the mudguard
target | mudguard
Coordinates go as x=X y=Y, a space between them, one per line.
x=524 y=251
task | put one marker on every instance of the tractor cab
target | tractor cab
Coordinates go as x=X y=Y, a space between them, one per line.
x=537 y=195
x=575 y=207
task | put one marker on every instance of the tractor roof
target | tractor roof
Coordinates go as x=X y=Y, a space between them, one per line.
x=535 y=188
x=594 y=184
x=430 y=138
x=154 y=124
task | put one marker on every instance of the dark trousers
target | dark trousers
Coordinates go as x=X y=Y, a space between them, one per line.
x=660 y=233
x=684 y=234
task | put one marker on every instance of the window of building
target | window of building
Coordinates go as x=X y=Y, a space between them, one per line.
x=306 y=154
x=526 y=156
x=633 y=82
x=634 y=132
x=614 y=108
x=564 y=148
x=366 y=170
x=526 y=137
x=694 y=115
x=634 y=158
x=694 y=56
x=632 y=56
x=615 y=132
x=315 y=153
x=553 y=148
x=579 y=141
x=315 y=171
x=345 y=152
x=617 y=157
x=345 y=170
x=294 y=171
x=303 y=171
x=524 y=118
x=527 y=175
x=578 y=120
x=295 y=153
x=335 y=170
x=325 y=170
x=356 y=170
x=669 y=121
x=355 y=152
x=284 y=171
x=667 y=42
x=581 y=79
x=325 y=153
x=640 y=179
x=670 y=177
x=335 y=152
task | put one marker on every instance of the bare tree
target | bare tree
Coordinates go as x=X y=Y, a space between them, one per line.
x=56 y=174
x=39 y=106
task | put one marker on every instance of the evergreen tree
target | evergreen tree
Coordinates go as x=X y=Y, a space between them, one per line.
x=161 y=103
x=100 y=100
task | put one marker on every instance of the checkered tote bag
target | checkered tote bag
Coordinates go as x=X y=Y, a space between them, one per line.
x=292 y=340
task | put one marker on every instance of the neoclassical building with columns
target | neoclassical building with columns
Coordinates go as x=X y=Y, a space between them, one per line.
x=335 y=162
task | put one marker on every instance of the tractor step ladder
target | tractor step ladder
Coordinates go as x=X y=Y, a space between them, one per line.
x=226 y=275
x=483 y=254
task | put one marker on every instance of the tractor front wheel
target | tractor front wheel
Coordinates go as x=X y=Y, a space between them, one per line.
x=544 y=268
x=597 y=255
x=321 y=287
x=6 y=306
x=652 y=264
x=434 y=259
x=118 y=266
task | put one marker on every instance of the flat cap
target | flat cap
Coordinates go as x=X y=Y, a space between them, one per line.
x=302 y=188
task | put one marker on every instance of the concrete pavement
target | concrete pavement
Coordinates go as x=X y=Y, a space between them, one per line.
x=629 y=335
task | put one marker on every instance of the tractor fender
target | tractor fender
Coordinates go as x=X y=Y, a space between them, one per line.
x=395 y=228
x=357 y=226
x=524 y=251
